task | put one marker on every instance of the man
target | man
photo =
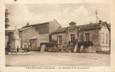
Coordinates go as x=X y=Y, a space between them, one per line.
x=75 y=45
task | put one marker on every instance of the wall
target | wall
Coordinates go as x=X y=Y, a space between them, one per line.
x=42 y=28
x=104 y=38
x=11 y=39
x=93 y=37
x=64 y=36
x=72 y=31
x=53 y=25
x=27 y=34
x=44 y=38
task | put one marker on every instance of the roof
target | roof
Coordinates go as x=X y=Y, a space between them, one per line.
x=38 y=24
x=33 y=25
x=42 y=28
x=9 y=30
x=60 y=30
x=93 y=26
x=90 y=26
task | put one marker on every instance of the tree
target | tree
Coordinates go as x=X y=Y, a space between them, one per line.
x=6 y=19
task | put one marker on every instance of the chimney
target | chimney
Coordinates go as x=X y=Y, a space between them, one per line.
x=100 y=21
x=27 y=24
x=72 y=24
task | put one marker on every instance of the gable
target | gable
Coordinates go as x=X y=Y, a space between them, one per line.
x=104 y=29
x=29 y=33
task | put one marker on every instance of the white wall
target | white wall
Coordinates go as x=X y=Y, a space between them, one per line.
x=104 y=38
x=28 y=34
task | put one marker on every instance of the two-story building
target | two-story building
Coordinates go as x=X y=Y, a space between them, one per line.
x=35 y=34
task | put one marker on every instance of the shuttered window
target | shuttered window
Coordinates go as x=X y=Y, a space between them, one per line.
x=87 y=36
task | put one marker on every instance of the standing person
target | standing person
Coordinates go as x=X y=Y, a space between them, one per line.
x=71 y=45
x=75 y=45
x=8 y=48
x=24 y=47
x=17 y=48
x=29 y=46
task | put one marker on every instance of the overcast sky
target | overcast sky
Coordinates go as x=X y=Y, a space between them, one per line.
x=20 y=14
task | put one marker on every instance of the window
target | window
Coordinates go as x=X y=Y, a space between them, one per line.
x=59 y=38
x=72 y=37
x=102 y=37
x=107 y=38
x=87 y=36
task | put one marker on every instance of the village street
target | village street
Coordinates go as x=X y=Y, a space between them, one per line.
x=58 y=59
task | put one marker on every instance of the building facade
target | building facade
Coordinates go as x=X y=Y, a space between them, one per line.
x=93 y=37
x=33 y=35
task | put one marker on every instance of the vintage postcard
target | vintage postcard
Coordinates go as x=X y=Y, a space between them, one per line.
x=62 y=35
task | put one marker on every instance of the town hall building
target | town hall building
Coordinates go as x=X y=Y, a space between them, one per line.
x=92 y=37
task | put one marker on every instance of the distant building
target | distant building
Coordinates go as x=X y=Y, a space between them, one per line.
x=35 y=34
x=8 y=37
x=96 y=35
x=12 y=40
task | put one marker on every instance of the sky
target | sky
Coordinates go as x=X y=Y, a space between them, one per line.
x=80 y=13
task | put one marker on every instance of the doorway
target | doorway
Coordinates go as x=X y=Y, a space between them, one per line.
x=33 y=44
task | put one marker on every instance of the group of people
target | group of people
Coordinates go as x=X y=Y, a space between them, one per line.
x=78 y=46
x=8 y=48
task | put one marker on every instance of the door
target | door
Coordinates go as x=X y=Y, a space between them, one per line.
x=72 y=37
x=43 y=46
x=33 y=44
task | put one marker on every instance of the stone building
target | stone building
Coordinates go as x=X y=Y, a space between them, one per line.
x=98 y=34
x=65 y=35
x=35 y=34
x=93 y=37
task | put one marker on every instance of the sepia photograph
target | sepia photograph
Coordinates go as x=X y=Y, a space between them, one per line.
x=65 y=34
